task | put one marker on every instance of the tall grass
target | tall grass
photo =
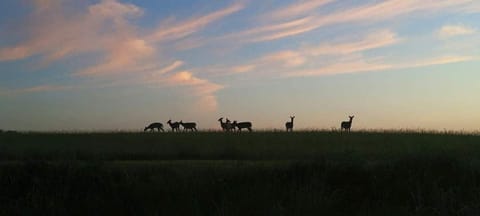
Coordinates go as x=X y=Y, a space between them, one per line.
x=262 y=173
x=234 y=146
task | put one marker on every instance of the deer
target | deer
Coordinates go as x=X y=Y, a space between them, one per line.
x=153 y=126
x=175 y=125
x=226 y=126
x=289 y=125
x=347 y=125
x=192 y=126
x=241 y=125
x=230 y=125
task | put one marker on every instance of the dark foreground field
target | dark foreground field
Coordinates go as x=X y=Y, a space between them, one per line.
x=265 y=173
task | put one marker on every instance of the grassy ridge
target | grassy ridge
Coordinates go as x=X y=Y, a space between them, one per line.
x=245 y=146
x=264 y=173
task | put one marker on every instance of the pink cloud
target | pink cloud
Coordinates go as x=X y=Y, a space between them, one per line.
x=287 y=58
x=107 y=29
x=374 y=40
x=309 y=54
x=202 y=88
x=185 y=28
x=437 y=61
x=55 y=33
x=171 y=67
x=349 y=65
x=448 y=31
x=298 y=8
x=384 y=10
x=124 y=55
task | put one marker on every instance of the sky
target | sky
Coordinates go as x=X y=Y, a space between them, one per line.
x=69 y=65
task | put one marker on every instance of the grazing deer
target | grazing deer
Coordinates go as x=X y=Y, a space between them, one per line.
x=153 y=126
x=347 y=125
x=289 y=125
x=192 y=126
x=241 y=125
x=175 y=125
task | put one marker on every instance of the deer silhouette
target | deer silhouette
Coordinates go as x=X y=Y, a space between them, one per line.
x=241 y=125
x=347 y=125
x=174 y=125
x=230 y=125
x=227 y=125
x=224 y=125
x=289 y=125
x=192 y=126
x=153 y=126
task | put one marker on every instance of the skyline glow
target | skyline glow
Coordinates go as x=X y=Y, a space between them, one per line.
x=118 y=64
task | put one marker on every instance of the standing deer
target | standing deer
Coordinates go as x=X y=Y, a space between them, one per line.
x=347 y=125
x=192 y=126
x=175 y=125
x=153 y=126
x=224 y=125
x=289 y=125
x=230 y=125
x=241 y=125
x=227 y=125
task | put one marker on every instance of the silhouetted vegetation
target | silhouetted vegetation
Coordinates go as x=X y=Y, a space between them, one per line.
x=261 y=173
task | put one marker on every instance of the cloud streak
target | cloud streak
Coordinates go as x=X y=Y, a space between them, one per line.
x=311 y=54
x=36 y=89
x=202 y=88
x=371 y=13
x=298 y=9
x=449 y=31
x=185 y=28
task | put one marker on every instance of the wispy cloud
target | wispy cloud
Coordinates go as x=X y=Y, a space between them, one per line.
x=36 y=89
x=342 y=66
x=203 y=88
x=437 y=61
x=124 y=56
x=340 y=57
x=338 y=50
x=243 y=68
x=176 y=30
x=286 y=58
x=448 y=31
x=298 y=9
x=374 y=40
x=171 y=67
x=371 y=13
x=359 y=64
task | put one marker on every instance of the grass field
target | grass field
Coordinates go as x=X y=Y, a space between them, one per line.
x=261 y=173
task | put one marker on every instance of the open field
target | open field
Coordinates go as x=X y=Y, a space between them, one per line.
x=262 y=173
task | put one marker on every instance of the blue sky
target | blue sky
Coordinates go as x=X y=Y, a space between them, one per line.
x=113 y=64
